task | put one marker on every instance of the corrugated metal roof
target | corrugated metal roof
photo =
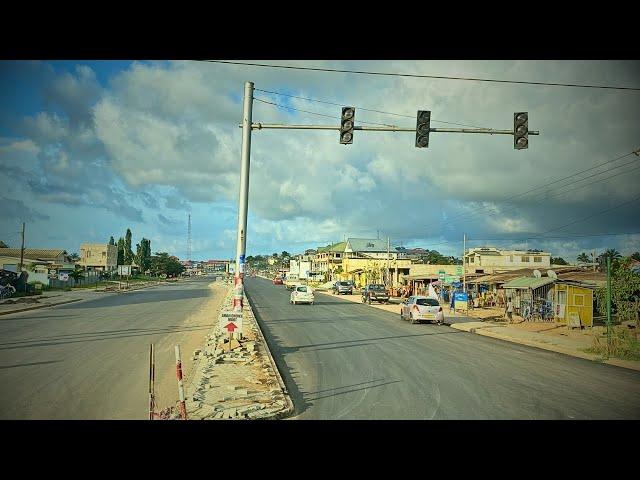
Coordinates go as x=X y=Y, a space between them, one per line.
x=528 y=282
x=368 y=245
x=32 y=253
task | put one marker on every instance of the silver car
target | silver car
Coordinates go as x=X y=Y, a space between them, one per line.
x=418 y=308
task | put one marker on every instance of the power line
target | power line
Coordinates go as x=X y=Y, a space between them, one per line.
x=362 y=108
x=476 y=210
x=413 y=75
x=545 y=197
x=316 y=113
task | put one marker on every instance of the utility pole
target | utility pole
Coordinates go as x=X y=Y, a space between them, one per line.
x=608 y=304
x=22 y=258
x=594 y=260
x=243 y=200
x=464 y=267
x=388 y=260
x=21 y=251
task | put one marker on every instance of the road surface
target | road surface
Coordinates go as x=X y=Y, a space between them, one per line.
x=90 y=360
x=344 y=360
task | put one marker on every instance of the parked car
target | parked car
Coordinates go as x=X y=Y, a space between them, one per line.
x=277 y=281
x=302 y=294
x=375 y=292
x=417 y=308
x=343 y=287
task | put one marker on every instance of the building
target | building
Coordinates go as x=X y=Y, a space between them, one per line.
x=492 y=260
x=328 y=259
x=98 y=256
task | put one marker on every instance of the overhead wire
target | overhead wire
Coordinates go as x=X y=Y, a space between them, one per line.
x=414 y=75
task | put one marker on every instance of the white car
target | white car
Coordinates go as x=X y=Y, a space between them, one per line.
x=302 y=294
x=417 y=308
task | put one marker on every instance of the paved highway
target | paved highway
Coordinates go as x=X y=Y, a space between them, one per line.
x=90 y=360
x=344 y=360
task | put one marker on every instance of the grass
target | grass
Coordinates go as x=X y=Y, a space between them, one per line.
x=624 y=345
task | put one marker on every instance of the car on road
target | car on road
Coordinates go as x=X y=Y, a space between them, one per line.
x=302 y=294
x=342 y=287
x=277 y=281
x=419 y=308
x=375 y=292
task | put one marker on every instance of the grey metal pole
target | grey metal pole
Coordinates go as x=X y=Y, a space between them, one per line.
x=243 y=201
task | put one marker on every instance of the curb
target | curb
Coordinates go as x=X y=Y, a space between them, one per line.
x=542 y=346
x=42 y=306
x=290 y=408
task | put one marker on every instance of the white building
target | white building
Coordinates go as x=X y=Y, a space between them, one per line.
x=493 y=260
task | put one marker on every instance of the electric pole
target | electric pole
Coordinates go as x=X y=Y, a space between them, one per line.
x=464 y=267
x=608 y=304
x=243 y=200
x=21 y=251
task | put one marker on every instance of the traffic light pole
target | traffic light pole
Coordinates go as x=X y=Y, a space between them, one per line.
x=243 y=202
x=489 y=131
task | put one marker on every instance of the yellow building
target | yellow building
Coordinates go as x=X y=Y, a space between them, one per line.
x=571 y=299
x=98 y=256
x=374 y=270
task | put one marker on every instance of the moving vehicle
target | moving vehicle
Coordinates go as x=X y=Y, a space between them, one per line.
x=342 y=287
x=417 y=308
x=302 y=294
x=375 y=292
x=277 y=281
x=291 y=281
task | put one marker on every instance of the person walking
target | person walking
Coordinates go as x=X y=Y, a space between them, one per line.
x=509 y=309
x=440 y=316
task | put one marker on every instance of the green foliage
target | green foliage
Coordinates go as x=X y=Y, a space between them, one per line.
x=121 y=251
x=433 y=257
x=128 y=253
x=583 y=257
x=558 y=261
x=143 y=254
x=624 y=345
x=625 y=292
x=163 y=264
x=111 y=240
x=636 y=256
x=77 y=274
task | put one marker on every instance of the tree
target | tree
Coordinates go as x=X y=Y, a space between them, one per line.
x=74 y=256
x=583 y=257
x=143 y=254
x=77 y=274
x=636 y=256
x=162 y=263
x=128 y=253
x=611 y=253
x=625 y=292
x=121 y=251
x=111 y=241
x=275 y=255
x=285 y=254
x=558 y=261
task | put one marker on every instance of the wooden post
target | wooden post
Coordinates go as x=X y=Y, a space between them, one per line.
x=151 y=383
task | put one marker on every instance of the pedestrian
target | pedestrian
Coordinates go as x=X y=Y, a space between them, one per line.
x=440 y=316
x=509 y=309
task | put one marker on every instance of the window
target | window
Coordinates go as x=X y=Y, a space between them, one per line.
x=562 y=297
x=428 y=302
x=337 y=255
x=471 y=259
x=511 y=258
x=525 y=259
x=537 y=259
x=578 y=300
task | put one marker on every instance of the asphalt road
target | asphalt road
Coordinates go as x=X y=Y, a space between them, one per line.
x=90 y=360
x=344 y=360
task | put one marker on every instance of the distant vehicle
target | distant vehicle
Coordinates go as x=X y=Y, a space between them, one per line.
x=343 y=287
x=375 y=292
x=417 y=308
x=277 y=281
x=291 y=281
x=302 y=294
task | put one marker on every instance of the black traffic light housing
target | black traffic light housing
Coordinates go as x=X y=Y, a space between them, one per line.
x=346 y=125
x=520 y=130
x=423 y=126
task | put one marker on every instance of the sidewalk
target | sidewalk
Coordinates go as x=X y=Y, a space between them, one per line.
x=548 y=336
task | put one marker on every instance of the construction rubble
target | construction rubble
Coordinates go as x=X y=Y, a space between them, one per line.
x=235 y=379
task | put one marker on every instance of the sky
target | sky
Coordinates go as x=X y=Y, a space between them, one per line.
x=91 y=148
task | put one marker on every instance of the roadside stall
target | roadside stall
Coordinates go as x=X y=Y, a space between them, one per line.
x=532 y=297
x=573 y=303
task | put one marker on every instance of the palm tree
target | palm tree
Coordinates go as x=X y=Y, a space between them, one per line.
x=611 y=253
x=583 y=257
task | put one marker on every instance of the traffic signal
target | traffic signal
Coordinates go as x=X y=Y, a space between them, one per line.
x=423 y=126
x=346 y=125
x=520 y=130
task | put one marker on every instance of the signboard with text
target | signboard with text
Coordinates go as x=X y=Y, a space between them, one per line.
x=229 y=316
